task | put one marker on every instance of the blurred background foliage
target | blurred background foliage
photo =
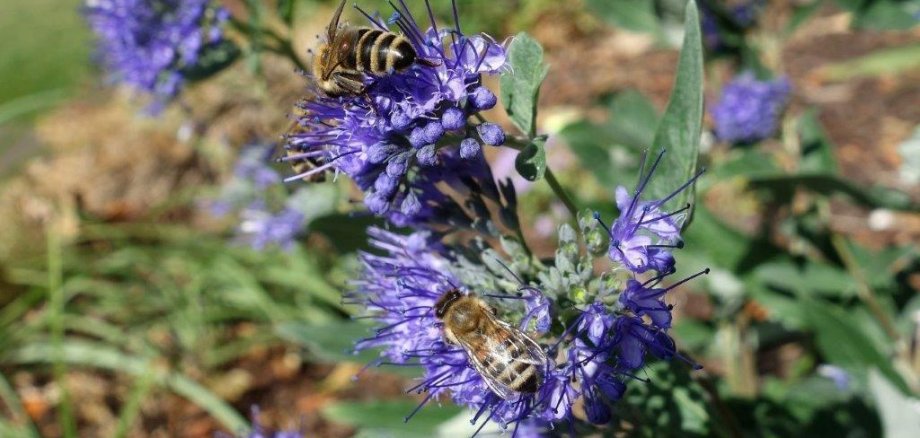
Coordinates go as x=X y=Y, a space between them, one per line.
x=128 y=309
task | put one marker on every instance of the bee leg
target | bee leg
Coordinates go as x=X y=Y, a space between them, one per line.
x=351 y=82
x=427 y=62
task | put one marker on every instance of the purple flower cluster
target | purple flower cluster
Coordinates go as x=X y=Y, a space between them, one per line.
x=148 y=44
x=411 y=129
x=590 y=360
x=748 y=109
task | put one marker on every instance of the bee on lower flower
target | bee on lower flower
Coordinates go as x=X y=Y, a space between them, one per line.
x=506 y=358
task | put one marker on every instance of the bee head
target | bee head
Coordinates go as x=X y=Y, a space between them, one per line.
x=443 y=304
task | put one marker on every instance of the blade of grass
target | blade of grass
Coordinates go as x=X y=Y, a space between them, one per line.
x=56 y=304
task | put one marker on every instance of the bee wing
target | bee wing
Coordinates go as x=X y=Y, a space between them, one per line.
x=535 y=355
x=497 y=387
x=502 y=349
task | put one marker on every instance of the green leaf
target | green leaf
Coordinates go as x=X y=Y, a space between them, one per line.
x=680 y=127
x=900 y=414
x=817 y=278
x=633 y=120
x=212 y=60
x=670 y=400
x=379 y=418
x=635 y=15
x=844 y=343
x=335 y=342
x=531 y=161
x=331 y=342
x=520 y=87
x=610 y=150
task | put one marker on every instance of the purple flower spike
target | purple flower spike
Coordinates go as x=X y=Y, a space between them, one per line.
x=749 y=110
x=151 y=44
x=643 y=235
x=425 y=104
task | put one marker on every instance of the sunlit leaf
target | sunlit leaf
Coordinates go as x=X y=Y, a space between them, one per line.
x=520 y=87
x=679 y=131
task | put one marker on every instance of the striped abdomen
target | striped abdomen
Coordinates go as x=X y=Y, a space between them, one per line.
x=379 y=53
x=509 y=363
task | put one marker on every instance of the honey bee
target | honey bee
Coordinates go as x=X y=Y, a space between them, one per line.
x=507 y=359
x=347 y=55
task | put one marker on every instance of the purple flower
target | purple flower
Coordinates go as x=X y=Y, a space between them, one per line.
x=591 y=360
x=260 y=228
x=643 y=235
x=749 y=110
x=399 y=288
x=411 y=126
x=151 y=44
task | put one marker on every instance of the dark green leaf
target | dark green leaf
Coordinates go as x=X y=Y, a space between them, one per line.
x=346 y=232
x=670 y=400
x=531 y=161
x=635 y=15
x=810 y=278
x=680 y=127
x=376 y=418
x=610 y=150
x=335 y=342
x=213 y=59
x=520 y=88
x=844 y=343
x=332 y=342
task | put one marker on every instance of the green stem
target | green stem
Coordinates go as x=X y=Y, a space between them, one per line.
x=561 y=194
x=518 y=144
